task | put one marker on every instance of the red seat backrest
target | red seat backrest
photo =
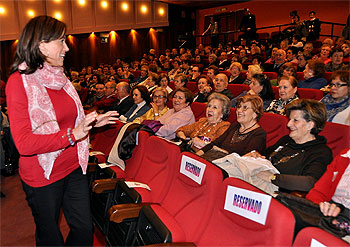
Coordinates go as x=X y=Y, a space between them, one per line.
x=226 y=228
x=337 y=135
x=243 y=74
x=310 y=93
x=227 y=73
x=271 y=75
x=172 y=85
x=83 y=94
x=309 y=234
x=232 y=117
x=237 y=89
x=300 y=76
x=192 y=85
x=157 y=168
x=136 y=73
x=188 y=203
x=199 y=110
x=275 y=126
x=275 y=92
x=328 y=76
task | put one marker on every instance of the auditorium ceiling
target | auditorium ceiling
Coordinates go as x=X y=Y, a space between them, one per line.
x=196 y=4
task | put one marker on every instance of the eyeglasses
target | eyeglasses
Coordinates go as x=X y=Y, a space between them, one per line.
x=159 y=97
x=178 y=97
x=337 y=85
x=243 y=107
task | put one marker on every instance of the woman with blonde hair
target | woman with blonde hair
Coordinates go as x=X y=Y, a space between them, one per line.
x=252 y=70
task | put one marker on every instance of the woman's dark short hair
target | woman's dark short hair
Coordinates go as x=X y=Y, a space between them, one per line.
x=225 y=101
x=209 y=80
x=144 y=93
x=317 y=66
x=336 y=50
x=257 y=104
x=161 y=76
x=187 y=92
x=313 y=110
x=267 y=92
x=38 y=29
x=343 y=75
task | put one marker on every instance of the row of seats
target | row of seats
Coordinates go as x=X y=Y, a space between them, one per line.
x=189 y=202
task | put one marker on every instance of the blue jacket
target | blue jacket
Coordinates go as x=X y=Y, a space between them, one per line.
x=314 y=82
x=139 y=113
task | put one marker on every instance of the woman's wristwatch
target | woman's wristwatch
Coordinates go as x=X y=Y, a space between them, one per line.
x=156 y=114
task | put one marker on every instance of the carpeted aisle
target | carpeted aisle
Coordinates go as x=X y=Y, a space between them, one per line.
x=17 y=224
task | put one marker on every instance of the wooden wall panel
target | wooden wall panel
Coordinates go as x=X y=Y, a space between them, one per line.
x=105 y=16
x=37 y=7
x=9 y=25
x=125 y=15
x=82 y=17
x=61 y=10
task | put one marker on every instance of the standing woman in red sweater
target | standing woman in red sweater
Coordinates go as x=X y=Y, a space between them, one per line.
x=50 y=131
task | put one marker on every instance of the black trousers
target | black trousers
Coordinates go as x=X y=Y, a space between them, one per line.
x=70 y=194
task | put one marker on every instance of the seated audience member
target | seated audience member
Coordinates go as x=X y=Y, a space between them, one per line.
x=302 y=61
x=302 y=156
x=336 y=62
x=280 y=59
x=125 y=101
x=92 y=82
x=261 y=86
x=176 y=70
x=307 y=50
x=185 y=67
x=205 y=86
x=142 y=99
x=212 y=60
x=258 y=60
x=208 y=128
x=159 y=107
x=120 y=72
x=338 y=101
x=127 y=74
x=179 y=116
x=273 y=55
x=99 y=94
x=180 y=81
x=196 y=72
x=331 y=191
x=296 y=41
x=329 y=42
x=292 y=54
x=109 y=98
x=287 y=89
x=346 y=48
x=235 y=70
x=242 y=56
x=164 y=82
x=212 y=72
x=143 y=76
x=287 y=69
x=223 y=62
x=152 y=81
x=243 y=136
x=220 y=85
x=324 y=54
x=313 y=73
x=252 y=70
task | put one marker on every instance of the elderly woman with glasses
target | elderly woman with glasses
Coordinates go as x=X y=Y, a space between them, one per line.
x=287 y=69
x=212 y=126
x=338 y=101
x=242 y=136
x=159 y=107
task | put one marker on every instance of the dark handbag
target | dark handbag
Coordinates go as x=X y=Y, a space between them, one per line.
x=152 y=124
x=307 y=213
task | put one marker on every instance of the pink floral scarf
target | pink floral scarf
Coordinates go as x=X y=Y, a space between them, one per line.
x=42 y=114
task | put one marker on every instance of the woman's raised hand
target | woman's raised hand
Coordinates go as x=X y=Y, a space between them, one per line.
x=106 y=118
x=82 y=130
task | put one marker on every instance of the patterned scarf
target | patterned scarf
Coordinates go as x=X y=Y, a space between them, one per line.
x=42 y=114
x=334 y=107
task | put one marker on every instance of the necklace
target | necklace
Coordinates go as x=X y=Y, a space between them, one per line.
x=207 y=124
x=246 y=128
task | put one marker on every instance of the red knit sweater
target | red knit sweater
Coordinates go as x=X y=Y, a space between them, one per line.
x=29 y=144
x=325 y=187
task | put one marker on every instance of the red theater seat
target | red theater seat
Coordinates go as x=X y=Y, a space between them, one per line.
x=136 y=73
x=198 y=109
x=232 y=117
x=157 y=170
x=271 y=75
x=227 y=73
x=310 y=93
x=172 y=85
x=317 y=237
x=275 y=126
x=243 y=74
x=300 y=76
x=328 y=76
x=226 y=228
x=237 y=89
x=184 y=212
x=275 y=92
x=192 y=85
x=337 y=135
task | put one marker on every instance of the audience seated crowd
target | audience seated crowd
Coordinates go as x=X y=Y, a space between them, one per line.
x=141 y=90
